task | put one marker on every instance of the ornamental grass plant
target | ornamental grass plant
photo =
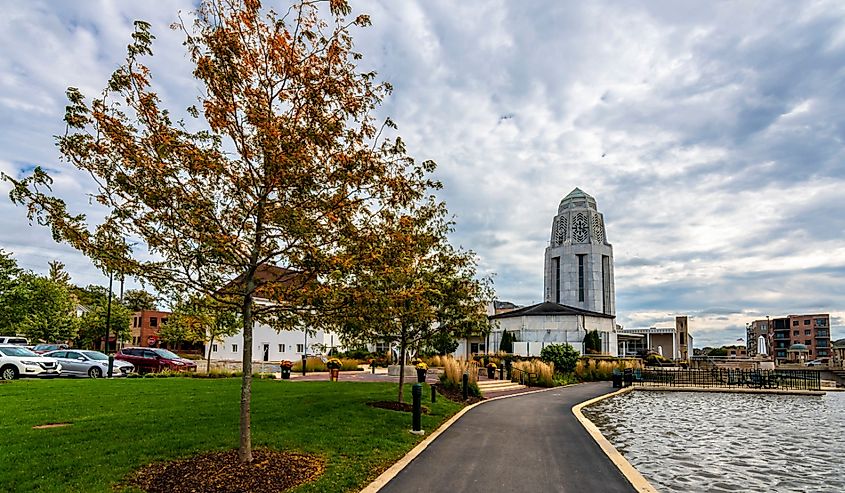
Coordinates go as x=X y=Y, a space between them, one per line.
x=315 y=363
x=453 y=371
x=595 y=369
x=437 y=361
x=544 y=371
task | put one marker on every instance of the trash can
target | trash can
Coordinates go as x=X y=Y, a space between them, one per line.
x=285 y=373
x=617 y=380
x=628 y=377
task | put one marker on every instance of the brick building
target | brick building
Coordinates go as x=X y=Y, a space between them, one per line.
x=812 y=331
x=145 y=326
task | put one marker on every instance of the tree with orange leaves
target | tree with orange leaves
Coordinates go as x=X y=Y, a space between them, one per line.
x=410 y=285
x=289 y=168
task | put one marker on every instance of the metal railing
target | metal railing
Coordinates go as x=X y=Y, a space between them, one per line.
x=728 y=378
x=524 y=377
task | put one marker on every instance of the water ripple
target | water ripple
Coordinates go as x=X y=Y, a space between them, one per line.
x=708 y=442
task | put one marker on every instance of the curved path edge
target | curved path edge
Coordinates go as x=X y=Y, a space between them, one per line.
x=636 y=479
x=397 y=467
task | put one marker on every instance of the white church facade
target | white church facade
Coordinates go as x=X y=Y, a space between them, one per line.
x=579 y=293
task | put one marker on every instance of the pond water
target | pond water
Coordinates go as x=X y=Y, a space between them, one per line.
x=714 y=442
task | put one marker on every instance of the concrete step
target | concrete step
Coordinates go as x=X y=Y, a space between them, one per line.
x=495 y=386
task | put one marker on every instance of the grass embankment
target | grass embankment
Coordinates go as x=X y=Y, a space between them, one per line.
x=120 y=425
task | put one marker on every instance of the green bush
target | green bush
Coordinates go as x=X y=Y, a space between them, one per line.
x=563 y=356
x=654 y=359
x=592 y=342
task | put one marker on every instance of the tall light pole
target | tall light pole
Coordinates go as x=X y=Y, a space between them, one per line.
x=108 y=325
x=304 y=351
x=108 y=315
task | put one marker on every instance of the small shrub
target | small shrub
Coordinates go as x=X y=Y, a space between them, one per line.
x=563 y=356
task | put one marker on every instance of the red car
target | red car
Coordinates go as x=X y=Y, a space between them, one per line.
x=148 y=359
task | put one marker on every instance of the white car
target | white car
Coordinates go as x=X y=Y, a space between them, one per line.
x=17 y=361
x=15 y=340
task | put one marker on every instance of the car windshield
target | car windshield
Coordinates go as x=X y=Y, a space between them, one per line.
x=95 y=355
x=17 y=351
x=164 y=353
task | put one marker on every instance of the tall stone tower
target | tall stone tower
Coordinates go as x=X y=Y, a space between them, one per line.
x=579 y=260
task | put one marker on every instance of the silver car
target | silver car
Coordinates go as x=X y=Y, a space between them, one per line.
x=84 y=363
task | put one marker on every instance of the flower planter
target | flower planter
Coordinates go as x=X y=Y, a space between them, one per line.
x=421 y=375
x=333 y=374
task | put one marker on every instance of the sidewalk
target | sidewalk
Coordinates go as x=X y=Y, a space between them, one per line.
x=525 y=443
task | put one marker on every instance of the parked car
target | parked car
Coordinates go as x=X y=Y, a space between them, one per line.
x=17 y=361
x=94 y=364
x=147 y=359
x=15 y=340
x=816 y=362
x=45 y=348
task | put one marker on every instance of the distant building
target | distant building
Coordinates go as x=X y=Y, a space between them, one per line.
x=539 y=325
x=268 y=343
x=145 y=327
x=753 y=331
x=736 y=351
x=670 y=342
x=792 y=338
x=578 y=288
x=501 y=307
x=838 y=353
x=579 y=258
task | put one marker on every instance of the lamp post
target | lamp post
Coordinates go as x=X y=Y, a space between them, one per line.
x=304 y=351
x=108 y=325
x=108 y=316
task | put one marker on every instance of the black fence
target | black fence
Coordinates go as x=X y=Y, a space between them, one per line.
x=725 y=378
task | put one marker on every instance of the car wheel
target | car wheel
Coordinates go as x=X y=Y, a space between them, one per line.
x=95 y=372
x=9 y=373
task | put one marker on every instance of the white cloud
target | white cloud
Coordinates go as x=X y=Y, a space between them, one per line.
x=711 y=136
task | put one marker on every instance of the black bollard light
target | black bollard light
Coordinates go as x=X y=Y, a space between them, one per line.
x=304 y=361
x=416 y=392
x=111 y=365
x=433 y=394
x=502 y=372
x=466 y=385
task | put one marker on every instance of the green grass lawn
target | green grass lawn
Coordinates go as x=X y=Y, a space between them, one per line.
x=120 y=425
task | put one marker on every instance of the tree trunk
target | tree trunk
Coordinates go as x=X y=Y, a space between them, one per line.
x=402 y=342
x=208 y=360
x=245 y=450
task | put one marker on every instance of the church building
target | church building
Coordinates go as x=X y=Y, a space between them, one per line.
x=579 y=294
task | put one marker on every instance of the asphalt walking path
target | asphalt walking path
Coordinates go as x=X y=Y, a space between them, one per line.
x=524 y=443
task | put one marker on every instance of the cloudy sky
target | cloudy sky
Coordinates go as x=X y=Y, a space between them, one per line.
x=710 y=133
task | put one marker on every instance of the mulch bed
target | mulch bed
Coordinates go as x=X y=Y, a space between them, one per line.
x=397 y=406
x=270 y=471
x=456 y=395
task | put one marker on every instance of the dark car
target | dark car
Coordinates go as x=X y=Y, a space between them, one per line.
x=45 y=348
x=147 y=359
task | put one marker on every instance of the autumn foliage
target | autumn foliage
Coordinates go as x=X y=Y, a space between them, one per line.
x=281 y=163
